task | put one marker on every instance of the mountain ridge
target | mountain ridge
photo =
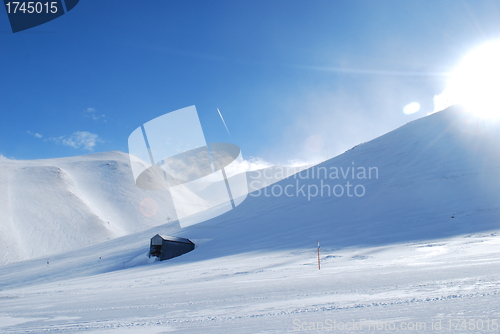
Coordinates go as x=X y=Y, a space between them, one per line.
x=435 y=178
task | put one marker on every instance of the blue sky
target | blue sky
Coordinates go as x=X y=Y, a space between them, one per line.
x=294 y=79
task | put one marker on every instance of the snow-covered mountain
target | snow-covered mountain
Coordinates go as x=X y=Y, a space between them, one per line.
x=56 y=205
x=435 y=177
x=407 y=224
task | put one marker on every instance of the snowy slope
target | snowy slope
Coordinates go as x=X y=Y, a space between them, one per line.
x=437 y=177
x=51 y=206
x=421 y=244
x=262 y=292
x=56 y=205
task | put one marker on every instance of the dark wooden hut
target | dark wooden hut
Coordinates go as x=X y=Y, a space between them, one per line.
x=166 y=247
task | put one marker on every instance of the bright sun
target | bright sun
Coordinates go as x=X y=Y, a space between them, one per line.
x=475 y=83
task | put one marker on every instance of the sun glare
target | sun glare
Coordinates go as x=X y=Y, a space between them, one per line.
x=475 y=83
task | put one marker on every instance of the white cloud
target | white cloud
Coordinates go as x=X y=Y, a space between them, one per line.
x=35 y=134
x=443 y=101
x=79 y=140
x=294 y=163
x=93 y=114
x=253 y=163
x=256 y=163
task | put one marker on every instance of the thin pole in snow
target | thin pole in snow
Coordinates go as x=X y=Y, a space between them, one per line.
x=319 y=263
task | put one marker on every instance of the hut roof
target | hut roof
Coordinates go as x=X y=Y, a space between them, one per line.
x=176 y=239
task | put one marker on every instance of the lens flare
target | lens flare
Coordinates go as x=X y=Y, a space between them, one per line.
x=148 y=207
x=411 y=108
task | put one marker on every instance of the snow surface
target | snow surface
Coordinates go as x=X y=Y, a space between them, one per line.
x=420 y=248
